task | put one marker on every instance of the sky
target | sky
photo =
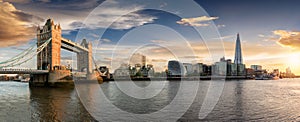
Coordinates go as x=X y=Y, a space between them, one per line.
x=185 y=30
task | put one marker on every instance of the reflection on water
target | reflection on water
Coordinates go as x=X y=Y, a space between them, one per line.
x=241 y=101
x=141 y=106
x=18 y=102
x=257 y=101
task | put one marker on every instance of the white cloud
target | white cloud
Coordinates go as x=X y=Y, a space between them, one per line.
x=105 y=40
x=71 y=15
x=121 y=16
x=221 y=26
x=132 y=20
x=163 y=5
x=158 y=41
x=261 y=35
x=197 y=21
x=226 y=37
x=268 y=38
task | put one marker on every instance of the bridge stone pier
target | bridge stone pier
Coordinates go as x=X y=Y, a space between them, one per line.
x=49 y=58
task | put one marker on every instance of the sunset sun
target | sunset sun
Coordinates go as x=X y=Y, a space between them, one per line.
x=293 y=60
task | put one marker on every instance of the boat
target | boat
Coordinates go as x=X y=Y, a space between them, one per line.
x=25 y=80
x=263 y=77
x=266 y=77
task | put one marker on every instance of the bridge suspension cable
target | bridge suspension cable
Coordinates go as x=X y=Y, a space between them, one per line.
x=25 y=52
x=24 y=56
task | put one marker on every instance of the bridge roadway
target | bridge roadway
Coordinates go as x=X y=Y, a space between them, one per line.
x=23 y=71
x=72 y=46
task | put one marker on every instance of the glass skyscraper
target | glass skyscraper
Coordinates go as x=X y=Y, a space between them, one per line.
x=238 y=59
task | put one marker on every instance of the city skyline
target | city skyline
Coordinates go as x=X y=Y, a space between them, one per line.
x=268 y=41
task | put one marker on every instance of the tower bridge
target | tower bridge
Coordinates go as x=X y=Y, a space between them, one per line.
x=50 y=56
x=49 y=69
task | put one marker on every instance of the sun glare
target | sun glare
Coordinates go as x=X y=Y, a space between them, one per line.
x=294 y=61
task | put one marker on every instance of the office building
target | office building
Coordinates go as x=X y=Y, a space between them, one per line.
x=256 y=67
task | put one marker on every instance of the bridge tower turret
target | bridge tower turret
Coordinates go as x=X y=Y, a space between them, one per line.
x=50 y=56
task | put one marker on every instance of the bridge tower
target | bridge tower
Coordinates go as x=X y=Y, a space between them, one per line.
x=50 y=56
x=84 y=59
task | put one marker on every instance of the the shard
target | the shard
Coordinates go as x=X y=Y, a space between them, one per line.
x=238 y=59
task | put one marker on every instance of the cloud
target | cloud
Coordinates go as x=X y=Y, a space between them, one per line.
x=197 y=21
x=65 y=4
x=71 y=14
x=116 y=14
x=16 y=1
x=288 y=38
x=132 y=20
x=261 y=35
x=64 y=12
x=192 y=57
x=221 y=26
x=267 y=38
x=159 y=60
x=17 y=27
x=105 y=40
x=226 y=37
x=46 y=1
x=162 y=5
x=76 y=24
x=159 y=41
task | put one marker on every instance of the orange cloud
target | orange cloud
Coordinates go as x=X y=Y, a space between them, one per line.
x=288 y=38
x=16 y=25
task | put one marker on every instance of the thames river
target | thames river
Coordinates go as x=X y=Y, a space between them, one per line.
x=245 y=100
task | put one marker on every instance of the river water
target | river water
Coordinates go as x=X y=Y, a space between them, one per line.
x=246 y=100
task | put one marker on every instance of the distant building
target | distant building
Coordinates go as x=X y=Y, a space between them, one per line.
x=122 y=71
x=188 y=68
x=227 y=68
x=175 y=69
x=206 y=70
x=238 y=59
x=224 y=68
x=150 y=70
x=288 y=70
x=132 y=71
x=201 y=69
x=250 y=73
x=220 y=68
x=198 y=69
x=233 y=69
x=147 y=71
x=276 y=72
x=241 y=69
x=138 y=58
x=289 y=73
x=136 y=71
x=256 y=67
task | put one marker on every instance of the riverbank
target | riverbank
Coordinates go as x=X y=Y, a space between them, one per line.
x=192 y=78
